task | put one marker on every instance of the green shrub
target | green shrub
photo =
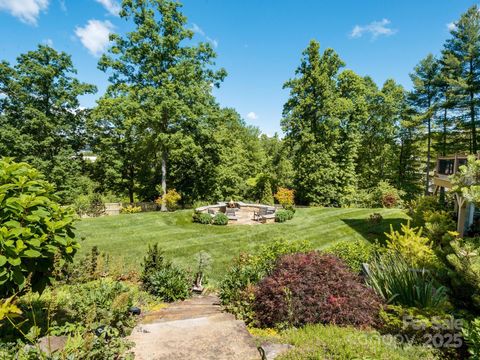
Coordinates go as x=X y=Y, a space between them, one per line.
x=437 y=225
x=392 y=277
x=358 y=198
x=471 y=333
x=333 y=342
x=413 y=247
x=283 y=215
x=422 y=206
x=375 y=218
x=34 y=230
x=170 y=284
x=89 y=205
x=354 y=253
x=85 y=346
x=201 y=217
x=220 y=219
x=131 y=209
x=385 y=195
x=421 y=326
x=161 y=278
x=70 y=309
x=236 y=289
x=464 y=262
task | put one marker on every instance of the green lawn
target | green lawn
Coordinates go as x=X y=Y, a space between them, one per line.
x=127 y=236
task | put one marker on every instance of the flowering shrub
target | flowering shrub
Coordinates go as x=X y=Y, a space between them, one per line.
x=285 y=197
x=314 y=288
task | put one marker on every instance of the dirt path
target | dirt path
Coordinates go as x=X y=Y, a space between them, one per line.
x=193 y=329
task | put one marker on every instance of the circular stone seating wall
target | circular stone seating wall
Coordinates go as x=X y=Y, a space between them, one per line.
x=244 y=211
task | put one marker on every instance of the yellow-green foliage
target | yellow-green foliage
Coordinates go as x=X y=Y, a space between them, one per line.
x=285 y=197
x=8 y=309
x=130 y=209
x=333 y=342
x=171 y=198
x=414 y=247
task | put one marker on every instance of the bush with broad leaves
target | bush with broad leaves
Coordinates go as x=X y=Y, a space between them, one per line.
x=35 y=230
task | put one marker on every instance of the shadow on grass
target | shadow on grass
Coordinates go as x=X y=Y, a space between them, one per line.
x=372 y=232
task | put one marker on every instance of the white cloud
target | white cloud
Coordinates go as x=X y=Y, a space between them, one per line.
x=451 y=26
x=63 y=6
x=214 y=42
x=95 y=35
x=112 y=6
x=252 y=116
x=375 y=29
x=198 y=30
x=25 y=10
x=48 y=42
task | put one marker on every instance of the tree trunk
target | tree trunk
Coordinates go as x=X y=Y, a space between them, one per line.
x=164 y=180
x=131 y=184
x=444 y=137
x=429 y=140
x=444 y=153
x=472 y=113
x=472 y=123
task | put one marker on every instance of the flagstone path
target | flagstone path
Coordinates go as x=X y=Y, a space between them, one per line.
x=193 y=329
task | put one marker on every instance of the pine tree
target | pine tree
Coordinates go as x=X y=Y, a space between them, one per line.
x=464 y=45
x=267 y=194
x=311 y=122
x=424 y=97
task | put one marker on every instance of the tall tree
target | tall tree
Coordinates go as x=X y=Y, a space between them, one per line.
x=41 y=121
x=449 y=67
x=314 y=120
x=168 y=76
x=353 y=96
x=117 y=140
x=425 y=96
x=464 y=45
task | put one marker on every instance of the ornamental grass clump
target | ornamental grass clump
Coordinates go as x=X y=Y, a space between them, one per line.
x=392 y=277
x=310 y=288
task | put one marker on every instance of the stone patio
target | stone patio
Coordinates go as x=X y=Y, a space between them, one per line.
x=244 y=212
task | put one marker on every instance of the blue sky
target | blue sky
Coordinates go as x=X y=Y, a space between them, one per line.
x=259 y=42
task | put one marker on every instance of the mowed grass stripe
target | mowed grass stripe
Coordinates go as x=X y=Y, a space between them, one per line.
x=127 y=236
